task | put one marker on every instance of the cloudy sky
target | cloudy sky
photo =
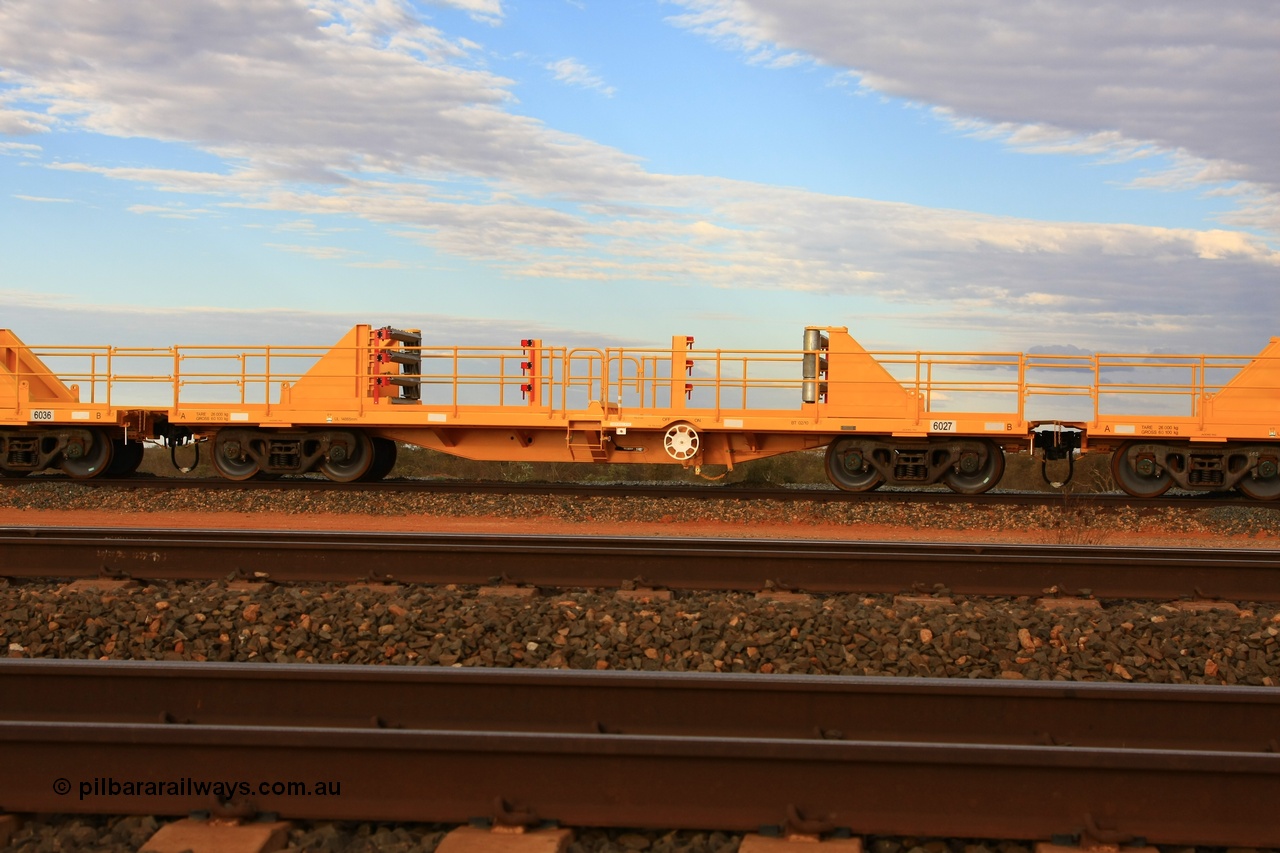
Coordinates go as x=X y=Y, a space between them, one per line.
x=1101 y=174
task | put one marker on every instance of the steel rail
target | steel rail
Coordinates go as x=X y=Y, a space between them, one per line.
x=734 y=492
x=1030 y=713
x=675 y=563
x=1126 y=781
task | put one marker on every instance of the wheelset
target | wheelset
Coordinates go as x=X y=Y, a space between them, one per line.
x=849 y=466
x=126 y=456
x=232 y=461
x=347 y=463
x=972 y=474
x=384 y=459
x=1262 y=483
x=1136 y=471
x=84 y=459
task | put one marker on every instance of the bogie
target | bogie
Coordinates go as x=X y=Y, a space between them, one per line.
x=343 y=456
x=967 y=466
x=1146 y=469
x=82 y=453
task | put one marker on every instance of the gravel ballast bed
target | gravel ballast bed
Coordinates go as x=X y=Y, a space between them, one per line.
x=1075 y=520
x=706 y=632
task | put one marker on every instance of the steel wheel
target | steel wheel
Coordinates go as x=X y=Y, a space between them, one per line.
x=1125 y=469
x=384 y=459
x=84 y=462
x=849 y=468
x=1263 y=482
x=984 y=474
x=125 y=457
x=346 y=464
x=231 y=461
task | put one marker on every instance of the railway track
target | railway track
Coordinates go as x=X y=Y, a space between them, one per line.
x=1101 y=762
x=684 y=563
x=821 y=493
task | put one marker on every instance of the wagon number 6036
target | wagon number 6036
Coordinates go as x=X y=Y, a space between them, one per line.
x=942 y=426
x=42 y=414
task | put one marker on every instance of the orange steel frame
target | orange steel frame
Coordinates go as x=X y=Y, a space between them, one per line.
x=545 y=403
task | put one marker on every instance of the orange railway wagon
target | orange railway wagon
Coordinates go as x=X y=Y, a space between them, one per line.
x=901 y=418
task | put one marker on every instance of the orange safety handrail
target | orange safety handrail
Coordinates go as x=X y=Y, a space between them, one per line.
x=635 y=378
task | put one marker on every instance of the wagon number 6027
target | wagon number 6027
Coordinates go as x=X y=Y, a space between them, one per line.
x=942 y=426
x=42 y=414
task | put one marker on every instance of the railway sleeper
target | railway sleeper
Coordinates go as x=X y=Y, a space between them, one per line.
x=967 y=466
x=81 y=452
x=1148 y=469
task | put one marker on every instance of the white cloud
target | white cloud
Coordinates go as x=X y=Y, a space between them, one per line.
x=1108 y=77
x=488 y=11
x=19 y=149
x=574 y=73
x=1133 y=283
x=23 y=122
x=737 y=25
x=76 y=319
x=1105 y=146
x=379 y=265
x=19 y=121
x=358 y=110
x=44 y=199
x=369 y=90
x=167 y=212
x=320 y=253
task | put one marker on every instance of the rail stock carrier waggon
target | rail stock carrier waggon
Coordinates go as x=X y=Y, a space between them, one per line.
x=1197 y=422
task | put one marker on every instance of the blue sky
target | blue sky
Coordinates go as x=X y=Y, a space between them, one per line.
x=970 y=176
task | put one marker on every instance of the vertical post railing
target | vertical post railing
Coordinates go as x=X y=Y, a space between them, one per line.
x=717 y=394
x=565 y=366
x=1095 y=389
x=455 y=382
x=1197 y=399
x=928 y=386
x=1023 y=390
x=651 y=374
x=177 y=375
x=919 y=398
x=502 y=379
x=604 y=382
